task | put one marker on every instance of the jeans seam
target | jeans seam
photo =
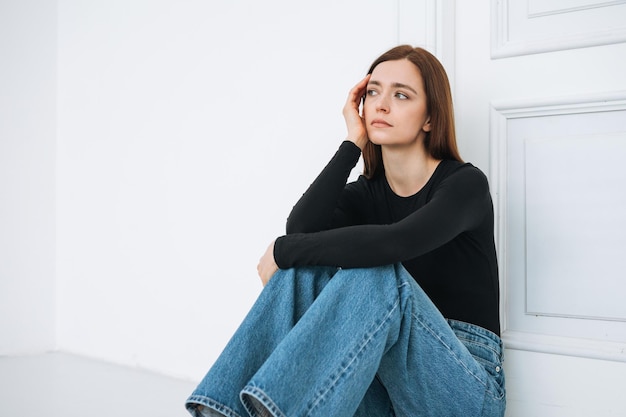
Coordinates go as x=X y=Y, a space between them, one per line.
x=355 y=354
x=456 y=357
x=465 y=340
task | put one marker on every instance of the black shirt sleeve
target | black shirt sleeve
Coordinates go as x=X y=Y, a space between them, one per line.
x=458 y=204
x=319 y=209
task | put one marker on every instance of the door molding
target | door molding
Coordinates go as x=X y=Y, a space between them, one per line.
x=522 y=329
x=534 y=26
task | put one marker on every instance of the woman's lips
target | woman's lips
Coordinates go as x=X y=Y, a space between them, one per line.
x=380 y=123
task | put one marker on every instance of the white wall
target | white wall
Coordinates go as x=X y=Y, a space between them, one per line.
x=187 y=130
x=149 y=151
x=27 y=176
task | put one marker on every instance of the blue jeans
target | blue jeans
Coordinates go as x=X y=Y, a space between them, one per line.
x=333 y=342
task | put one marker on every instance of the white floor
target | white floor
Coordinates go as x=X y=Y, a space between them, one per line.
x=62 y=385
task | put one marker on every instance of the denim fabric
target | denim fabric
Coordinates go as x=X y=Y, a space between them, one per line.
x=352 y=342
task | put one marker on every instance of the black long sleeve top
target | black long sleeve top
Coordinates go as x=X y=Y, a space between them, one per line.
x=443 y=235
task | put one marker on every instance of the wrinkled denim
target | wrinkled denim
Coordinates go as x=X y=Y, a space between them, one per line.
x=327 y=342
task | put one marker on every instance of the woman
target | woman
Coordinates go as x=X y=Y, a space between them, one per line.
x=382 y=298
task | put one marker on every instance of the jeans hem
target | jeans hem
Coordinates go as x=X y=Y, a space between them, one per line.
x=217 y=409
x=250 y=393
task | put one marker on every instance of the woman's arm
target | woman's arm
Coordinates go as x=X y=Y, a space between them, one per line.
x=459 y=204
x=316 y=208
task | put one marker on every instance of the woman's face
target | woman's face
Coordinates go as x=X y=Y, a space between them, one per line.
x=395 y=104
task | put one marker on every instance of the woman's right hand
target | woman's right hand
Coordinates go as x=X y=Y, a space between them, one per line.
x=357 y=132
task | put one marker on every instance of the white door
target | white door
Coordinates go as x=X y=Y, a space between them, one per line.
x=541 y=89
x=540 y=97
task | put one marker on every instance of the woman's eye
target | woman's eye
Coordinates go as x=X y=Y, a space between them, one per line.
x=371 y=92
x=402 y=96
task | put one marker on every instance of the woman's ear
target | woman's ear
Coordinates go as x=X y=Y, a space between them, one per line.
x=427 y=126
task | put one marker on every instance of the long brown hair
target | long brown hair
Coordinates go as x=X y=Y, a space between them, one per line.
x=440 y=142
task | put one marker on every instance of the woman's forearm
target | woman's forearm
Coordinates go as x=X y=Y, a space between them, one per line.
x=314 y=211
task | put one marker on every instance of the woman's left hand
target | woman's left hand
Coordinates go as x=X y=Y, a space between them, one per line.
x=267 y=266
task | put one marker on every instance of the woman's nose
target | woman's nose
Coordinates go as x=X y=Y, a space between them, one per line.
x=382 y=105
